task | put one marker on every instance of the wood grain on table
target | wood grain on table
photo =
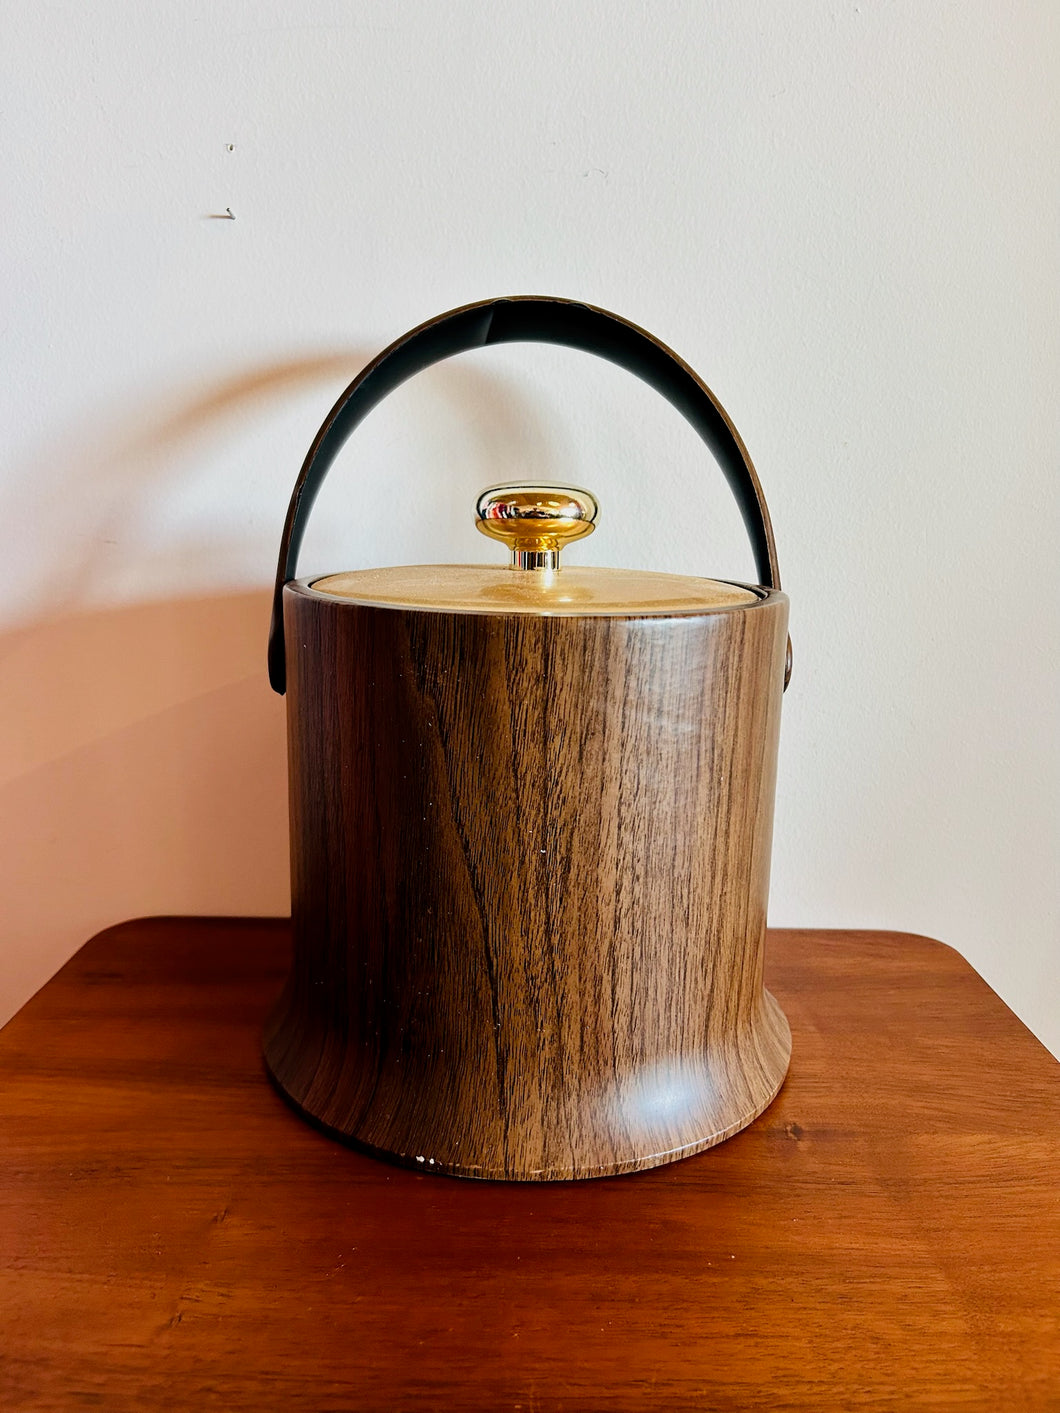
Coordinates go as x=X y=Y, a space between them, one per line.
x=172 y=1236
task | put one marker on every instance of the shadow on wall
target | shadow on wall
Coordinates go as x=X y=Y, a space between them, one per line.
x=90 y=486
x=142 y=753
x=143 y=771
x=90 y=491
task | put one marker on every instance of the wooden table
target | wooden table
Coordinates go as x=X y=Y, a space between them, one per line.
x=172 y=1236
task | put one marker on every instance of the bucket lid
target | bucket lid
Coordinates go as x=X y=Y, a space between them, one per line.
x=529 y=319
x=536 y=522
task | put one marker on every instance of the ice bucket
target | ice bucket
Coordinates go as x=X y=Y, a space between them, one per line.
x=531 y=814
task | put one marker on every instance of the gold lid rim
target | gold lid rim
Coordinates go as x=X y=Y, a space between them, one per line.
x=527 y=602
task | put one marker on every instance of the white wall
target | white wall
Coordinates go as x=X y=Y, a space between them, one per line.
x=843 y=215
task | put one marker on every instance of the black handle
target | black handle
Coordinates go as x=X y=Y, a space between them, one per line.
x=523 y=319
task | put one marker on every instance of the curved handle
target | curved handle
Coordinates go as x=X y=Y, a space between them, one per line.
x=523 y=319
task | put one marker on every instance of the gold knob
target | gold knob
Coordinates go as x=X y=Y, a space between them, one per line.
x=535 y=522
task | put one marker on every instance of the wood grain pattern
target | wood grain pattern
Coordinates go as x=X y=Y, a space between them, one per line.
x=530 y=867
x=885 y=1236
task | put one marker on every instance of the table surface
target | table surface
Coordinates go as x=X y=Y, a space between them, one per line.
x=172 y=1235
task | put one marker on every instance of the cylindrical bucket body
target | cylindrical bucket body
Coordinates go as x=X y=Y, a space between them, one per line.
x=530 y=866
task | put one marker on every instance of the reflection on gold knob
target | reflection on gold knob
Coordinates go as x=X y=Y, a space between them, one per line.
x=535 y=522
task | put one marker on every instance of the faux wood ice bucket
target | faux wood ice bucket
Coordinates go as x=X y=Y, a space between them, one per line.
x=531 y=814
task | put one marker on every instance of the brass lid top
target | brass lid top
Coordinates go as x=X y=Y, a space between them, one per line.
x=535 y=522
x=482 y=588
